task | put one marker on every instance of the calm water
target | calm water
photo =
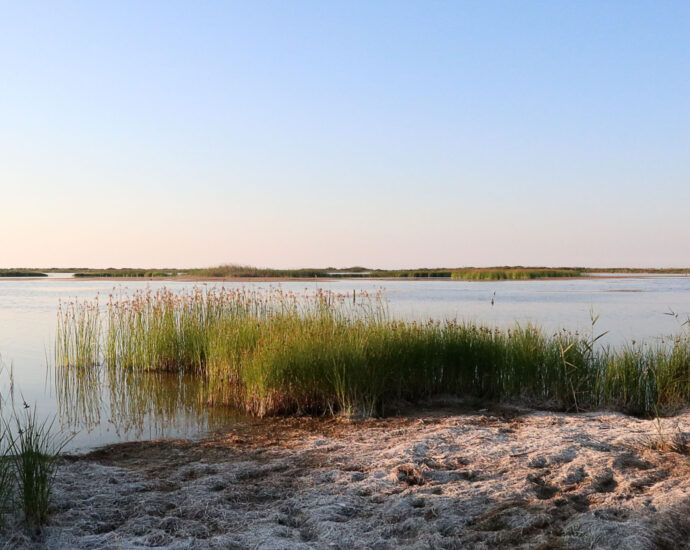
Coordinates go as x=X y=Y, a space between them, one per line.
x=630 y=307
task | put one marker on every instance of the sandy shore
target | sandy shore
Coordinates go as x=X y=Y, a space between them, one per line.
x=440 y=478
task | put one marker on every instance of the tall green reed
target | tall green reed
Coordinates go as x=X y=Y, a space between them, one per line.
x=77 y=337
x=272 y=352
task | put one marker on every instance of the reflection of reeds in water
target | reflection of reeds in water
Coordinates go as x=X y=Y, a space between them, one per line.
x=140 y=402
x=269 y=352
x=79 y=395
x=159 y=402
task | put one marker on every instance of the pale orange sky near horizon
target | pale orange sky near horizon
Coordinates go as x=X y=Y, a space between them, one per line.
x=157 y=233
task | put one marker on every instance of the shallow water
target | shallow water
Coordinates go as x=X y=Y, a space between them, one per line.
x=631 y=307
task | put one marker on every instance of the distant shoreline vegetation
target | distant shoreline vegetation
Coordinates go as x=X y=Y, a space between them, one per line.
x=458 y=273
x=21 y=273
x=127 y=273
x=514 y=274
x=233 y=271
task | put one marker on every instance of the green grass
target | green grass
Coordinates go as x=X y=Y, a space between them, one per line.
x=29 y=454
x=245 y=271
x=21 y=273
x=77 y=341
x=126 y=272
x=421 y=273
x=514 y=273
x=34 y=452
x=6 y=472
x=277 y=353
x=239 y=271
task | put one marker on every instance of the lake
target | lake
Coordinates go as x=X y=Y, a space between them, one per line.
x=630 y=308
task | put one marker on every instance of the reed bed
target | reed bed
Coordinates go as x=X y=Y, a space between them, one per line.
x=126 y=272
x=272 y=352
x=247 y=271
x=78 y=334
x=21 y=273
x=513 y=274
x=461 y=273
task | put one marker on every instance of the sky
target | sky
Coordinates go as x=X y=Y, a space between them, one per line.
x=385 y=134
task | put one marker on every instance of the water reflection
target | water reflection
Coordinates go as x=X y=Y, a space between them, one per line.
x=136 y=404
x=79 y=392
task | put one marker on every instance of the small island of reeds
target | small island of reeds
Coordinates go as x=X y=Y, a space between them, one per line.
x=20 y=273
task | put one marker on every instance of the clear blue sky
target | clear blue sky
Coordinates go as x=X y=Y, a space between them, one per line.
x=338 y=133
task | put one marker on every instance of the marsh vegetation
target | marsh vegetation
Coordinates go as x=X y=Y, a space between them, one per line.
x=29 y=453
x=236 y=271
x=514 y=273
x=273 y=352
x=467 y=273
x=125 y=272
x=21 y=273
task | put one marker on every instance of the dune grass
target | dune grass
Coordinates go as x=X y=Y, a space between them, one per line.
x=279 y=353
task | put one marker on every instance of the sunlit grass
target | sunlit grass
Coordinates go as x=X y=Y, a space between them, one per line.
x=497 y=274
x=6 y=472
x=29 y=454
x=34 y=451
x=279 y=353
x=77 y=340
x=126 y=272
x=20 y=273
x=247 y=271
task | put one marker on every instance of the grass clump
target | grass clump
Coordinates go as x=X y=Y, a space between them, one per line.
x=29 y=454
x=34 y=452
x=6 y=473
x=77 y=339
x=271 y=352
